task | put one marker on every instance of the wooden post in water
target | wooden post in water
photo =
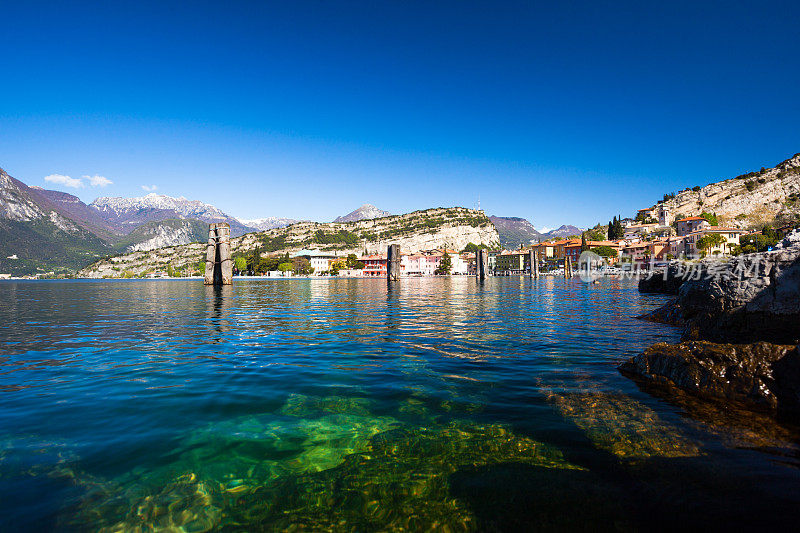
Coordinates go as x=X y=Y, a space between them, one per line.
x=480 y=263
x=533 y=259
x=393 y=262
x=567 y=267
x=219 y=265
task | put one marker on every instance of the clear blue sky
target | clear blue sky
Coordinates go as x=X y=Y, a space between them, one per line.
x=559 y=112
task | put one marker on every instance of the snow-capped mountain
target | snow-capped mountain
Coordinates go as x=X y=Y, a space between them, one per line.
x=366 y=211
x=188 y=208
x=263 y=224
x=132 y=212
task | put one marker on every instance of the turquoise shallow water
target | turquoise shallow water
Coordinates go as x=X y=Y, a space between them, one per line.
x=345 y=405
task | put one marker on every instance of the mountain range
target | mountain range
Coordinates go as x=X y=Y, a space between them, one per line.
x=515 y=232
x=263 y=224
x=43 y=230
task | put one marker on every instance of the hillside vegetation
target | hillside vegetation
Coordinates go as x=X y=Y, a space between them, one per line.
x=418 y=231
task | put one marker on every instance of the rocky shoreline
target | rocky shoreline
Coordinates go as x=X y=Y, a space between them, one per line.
x=741 y=320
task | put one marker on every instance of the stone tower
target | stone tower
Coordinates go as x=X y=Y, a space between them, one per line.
x=665 y=217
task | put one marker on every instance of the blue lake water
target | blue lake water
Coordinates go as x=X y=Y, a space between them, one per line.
x=345 y=404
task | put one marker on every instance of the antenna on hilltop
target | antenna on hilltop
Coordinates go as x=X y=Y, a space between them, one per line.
x=479 y=202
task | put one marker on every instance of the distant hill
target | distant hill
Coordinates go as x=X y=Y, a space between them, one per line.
x=73 y=208
x=562 y=231
x=43 y=230
x=365 y=212
x=514 y=231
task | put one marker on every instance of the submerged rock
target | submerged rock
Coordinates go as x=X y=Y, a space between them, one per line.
x=617 y=423
x=761 y=375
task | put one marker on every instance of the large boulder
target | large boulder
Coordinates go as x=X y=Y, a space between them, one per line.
x=761 y=375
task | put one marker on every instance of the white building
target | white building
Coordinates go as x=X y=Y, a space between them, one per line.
x=318 y=260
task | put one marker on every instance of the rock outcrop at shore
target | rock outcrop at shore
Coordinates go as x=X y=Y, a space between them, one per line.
x=667 y=281
x=742 y=329
x=749 y=298
x=761 y=375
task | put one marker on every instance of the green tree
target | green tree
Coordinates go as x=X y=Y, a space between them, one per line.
x=351 y=260
x=584 y=246
x=254 y=260
x=445 y=265
x=301 y=266
x=711 y=217
x=285 y=267
x=336 y=266
x=615 y=229
x=472 y=248
x=710 y=241
x=605 y=251
x=240 y=263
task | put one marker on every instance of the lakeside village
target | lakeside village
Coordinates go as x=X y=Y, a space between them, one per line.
x=627 y=245
x=651 y=240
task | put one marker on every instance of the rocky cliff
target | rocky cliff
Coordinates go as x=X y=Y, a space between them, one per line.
x=36 y=236
x=748 y=200
x=424 y=230
x=162 y=234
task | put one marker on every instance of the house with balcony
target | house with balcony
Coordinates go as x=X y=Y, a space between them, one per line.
x=374 y=265
x=637 y=253
x=546 y=250
x=647 y=213
x=688 y=225
x=731 y=236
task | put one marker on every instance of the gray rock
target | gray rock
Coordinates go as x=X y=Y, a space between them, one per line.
x=665 y=281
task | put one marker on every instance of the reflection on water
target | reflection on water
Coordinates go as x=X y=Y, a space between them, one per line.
x=353 y=405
